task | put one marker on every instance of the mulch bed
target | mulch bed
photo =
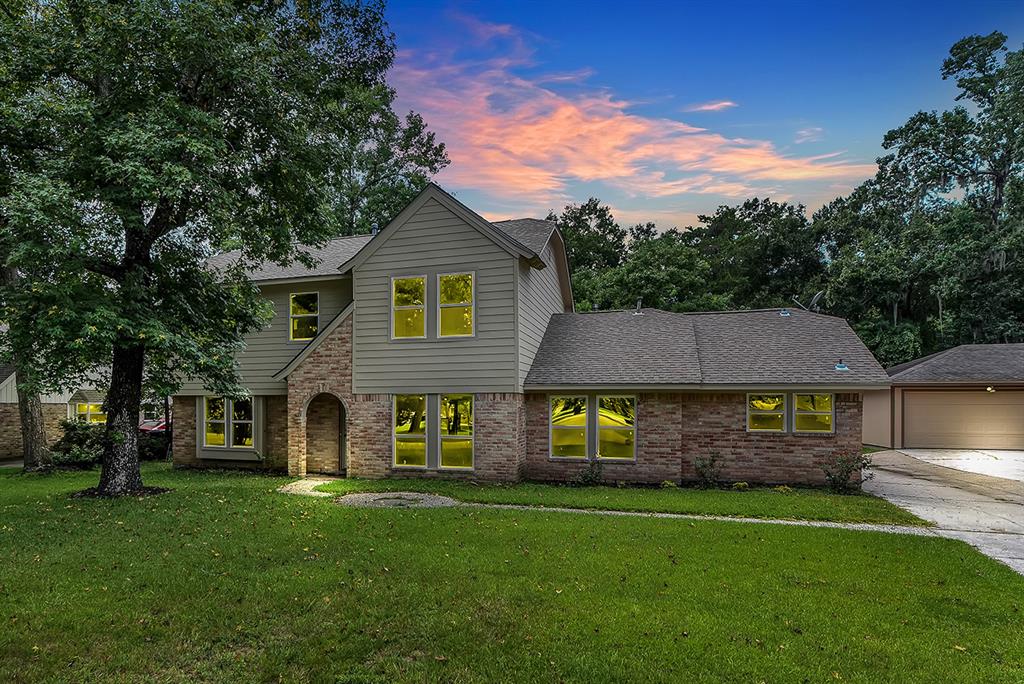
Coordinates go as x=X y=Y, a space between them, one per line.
x=94 y=493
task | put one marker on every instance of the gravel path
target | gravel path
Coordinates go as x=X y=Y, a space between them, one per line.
x=422 y=500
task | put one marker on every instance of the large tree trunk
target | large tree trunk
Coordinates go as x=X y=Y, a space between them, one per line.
x=33 y=429
x=120 y=474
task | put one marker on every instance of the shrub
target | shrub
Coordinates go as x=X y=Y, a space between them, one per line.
x=840 y=468
x=783 y=489
x=153 y=446
x=709 y=471
x=740 y=486
x=81 y=445
x=669 y=484
x=591 y=475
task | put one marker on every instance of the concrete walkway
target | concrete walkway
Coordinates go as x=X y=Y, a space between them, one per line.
x=984 y=511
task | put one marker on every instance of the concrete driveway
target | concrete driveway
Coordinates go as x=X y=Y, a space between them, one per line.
x=994 y=462
x=985 y=511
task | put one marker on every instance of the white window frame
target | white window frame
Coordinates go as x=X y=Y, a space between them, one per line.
x=784 y=412
x=392 y=308
x=89 y=413
x=229 y=423
x=586 y=428
x=426 y=432
x=471 y=304
x=441 y=437
x=599 y=427
x=831 y=412
x=292 y=316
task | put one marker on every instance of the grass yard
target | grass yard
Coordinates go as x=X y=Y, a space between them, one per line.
x=225 y=579
x=758 y=502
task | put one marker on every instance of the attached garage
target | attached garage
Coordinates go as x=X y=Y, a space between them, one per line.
x=963 y=419
x=968 y=397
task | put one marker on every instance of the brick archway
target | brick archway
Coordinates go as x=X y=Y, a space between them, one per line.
x=325 y=418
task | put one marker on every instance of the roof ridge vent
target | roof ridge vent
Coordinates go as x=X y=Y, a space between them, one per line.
x=785 y=313
x=840 y=366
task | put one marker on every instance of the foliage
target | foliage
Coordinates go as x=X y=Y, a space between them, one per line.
x=740 y=486
x=841 y=467
x=154 y=446
x=593 y=239
x=80 y=445
x=591 y=475
x=709 y=470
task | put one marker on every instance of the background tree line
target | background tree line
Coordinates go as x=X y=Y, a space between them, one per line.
x=922 y=257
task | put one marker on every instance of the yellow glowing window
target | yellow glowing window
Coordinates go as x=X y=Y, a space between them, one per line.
x=455 y=305
x=228 y=422
x=408 y=307
x=90 y=413
x=303 y=315
x=766 y=412
x=568 y=419
x=813 y=412
x=616 y=428
x=410 y=418
x=456 y=420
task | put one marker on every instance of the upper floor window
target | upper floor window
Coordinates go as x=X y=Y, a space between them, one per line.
x=766 y=412
x=812 y=412
x=616 y=428
x=90 y=413
x=228 y=422
x=408 y=307
x=304 y=315
x=455 y=305
x=410 y=417
x=568 y=420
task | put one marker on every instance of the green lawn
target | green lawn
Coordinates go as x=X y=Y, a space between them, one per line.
x=795 y=504
x=225 y=579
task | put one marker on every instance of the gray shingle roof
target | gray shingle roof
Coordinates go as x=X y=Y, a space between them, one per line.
x=530 y=233
x=329 y=259
x=756 y=348
x=987 y=363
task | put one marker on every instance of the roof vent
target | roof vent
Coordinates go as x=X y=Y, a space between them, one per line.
x=639 y=308
x=373 y=229
x=840 y=366
x=785 y=313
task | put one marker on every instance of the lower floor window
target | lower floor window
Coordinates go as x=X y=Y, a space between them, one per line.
x=456 y=426
x=90 y=413
x=568 y=426
x=812 y=412
x=410 y=426
x=766 y=412
x=229 y=422
x=616 y=428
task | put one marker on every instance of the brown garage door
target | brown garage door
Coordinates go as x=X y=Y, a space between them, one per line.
x=964 y=420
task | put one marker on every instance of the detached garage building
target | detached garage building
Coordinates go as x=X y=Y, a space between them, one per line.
x=968 y=397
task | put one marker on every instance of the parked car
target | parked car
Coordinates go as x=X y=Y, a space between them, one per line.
x=153 y=425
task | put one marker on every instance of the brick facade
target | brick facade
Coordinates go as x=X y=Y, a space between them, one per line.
x=673 y=430
x=11 y=445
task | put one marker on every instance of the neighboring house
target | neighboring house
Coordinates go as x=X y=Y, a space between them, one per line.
x=967 y=397
x=56 y=407
x=447 y=345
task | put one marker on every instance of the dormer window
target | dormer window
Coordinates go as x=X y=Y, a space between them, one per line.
x=304 y=315
x=408 y=307
x=455 y=305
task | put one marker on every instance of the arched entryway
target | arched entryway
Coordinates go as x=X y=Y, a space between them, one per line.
x=325 y=435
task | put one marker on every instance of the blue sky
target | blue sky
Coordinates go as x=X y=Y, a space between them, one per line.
x=666 y=110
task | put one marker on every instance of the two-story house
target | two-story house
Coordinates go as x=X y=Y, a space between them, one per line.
x=447 y=346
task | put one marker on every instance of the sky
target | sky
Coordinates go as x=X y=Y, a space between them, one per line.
x=664 y=111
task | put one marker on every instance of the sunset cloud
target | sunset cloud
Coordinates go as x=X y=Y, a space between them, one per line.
x=806 y=135
x=713 y=106
x=520 y=137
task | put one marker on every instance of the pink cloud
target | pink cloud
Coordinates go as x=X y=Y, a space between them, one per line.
x=516 y=138
x=713 y=106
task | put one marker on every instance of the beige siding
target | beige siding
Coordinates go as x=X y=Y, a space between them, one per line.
x=270 y=350
x=540 y=295
x=9 y=393
x=878 y=418
x=430 y=242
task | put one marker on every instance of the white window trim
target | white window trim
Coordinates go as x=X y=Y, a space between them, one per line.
x=471 y=304
x=441 y=436
x=597 y=417
x=832 y=413
x=229 y=425
x=392 y=308
x=785 y=413
x=586 y=429
x=395 y=438
x=88 y=413
x=292 y=316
